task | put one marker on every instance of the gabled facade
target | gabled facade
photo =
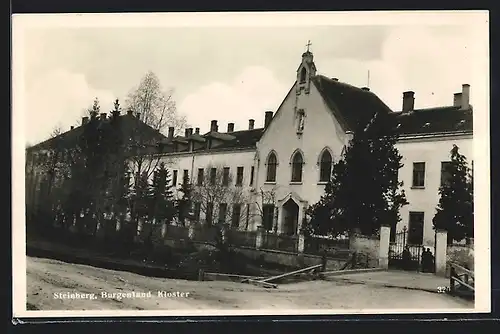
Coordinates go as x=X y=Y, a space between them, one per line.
x=289 y=160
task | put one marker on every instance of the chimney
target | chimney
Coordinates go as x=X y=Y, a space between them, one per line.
x=190 y=131
x=171 y=132
x=230 y=127
x=103 y=116
x=457 y=99
x=85 y=120
x=72 y=127
x=197 y=131
x=267 y=118
x=213 y=126
x=251 y=123
x=465 y=97
x=408 y=101
x=366 y=89
x=130 y=112
x=138 y=115
x=186 y=133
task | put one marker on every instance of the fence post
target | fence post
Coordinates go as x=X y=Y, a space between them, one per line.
x=452 y=282
x=163 y=229
x=385 y=237
x=259 y=238
x=301 y=243
x=323 y=261
x=191 y=231
x=440 y=253
x=201 y=275
x=118 y=223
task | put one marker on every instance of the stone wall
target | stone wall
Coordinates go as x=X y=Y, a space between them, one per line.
x=273 y=256
x=461 y=254
x=291 y=259
x=367 y=246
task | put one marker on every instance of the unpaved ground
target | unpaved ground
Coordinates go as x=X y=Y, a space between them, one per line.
x=48 y=278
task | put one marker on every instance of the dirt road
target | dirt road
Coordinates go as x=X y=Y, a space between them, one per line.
x=55 y=285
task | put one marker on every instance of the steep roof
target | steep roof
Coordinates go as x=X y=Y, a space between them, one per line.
x=434 y=121
x=243 y=139
x=129 y=127
x=236 y=140
x=352 y=106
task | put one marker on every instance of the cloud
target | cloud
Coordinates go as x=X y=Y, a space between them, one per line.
x=59 y=98
x=433 y=65
x=66 y=69
x=251 y=93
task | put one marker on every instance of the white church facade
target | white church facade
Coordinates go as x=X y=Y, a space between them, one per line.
x=283 y=167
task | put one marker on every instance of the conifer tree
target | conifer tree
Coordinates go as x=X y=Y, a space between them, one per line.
x=162 y=205
x=141 y=197
x=455 y=210
x=184 y=202
x=364 y=191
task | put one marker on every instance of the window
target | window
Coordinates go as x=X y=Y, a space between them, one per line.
x=201 y=173
x=325 y=166
x=225 y=177
x=239 y=176
x=303 y=73
x=272 y=162
x=235 y=219
x=185 y=176
x=213 y=175
x=222 y=213
x=418 y=174
x=268 y=215
x=209 y=214
x=252 y=171
x=445 y=172
x=197 y=211
x=297 y=163
x=174 y=178
x=416 y=228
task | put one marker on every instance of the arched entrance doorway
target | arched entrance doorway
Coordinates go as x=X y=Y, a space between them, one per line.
x=290 y=217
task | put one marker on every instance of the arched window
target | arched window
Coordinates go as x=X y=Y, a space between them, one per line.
x=297 y=163
x=303 y=73
x=325 y=166
x=272 y=162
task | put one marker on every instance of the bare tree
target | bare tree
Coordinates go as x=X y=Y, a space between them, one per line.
x=156 y=109
x=217 y=196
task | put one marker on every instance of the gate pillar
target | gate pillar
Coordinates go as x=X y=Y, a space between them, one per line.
x=440 y=252
x=385 y=237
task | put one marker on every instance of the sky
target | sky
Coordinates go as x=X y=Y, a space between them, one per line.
x=232 y=73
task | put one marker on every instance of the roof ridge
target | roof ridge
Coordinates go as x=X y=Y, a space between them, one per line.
x=344 y=83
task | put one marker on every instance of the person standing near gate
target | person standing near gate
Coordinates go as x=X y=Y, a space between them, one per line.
x=406 y=258
x=425 y=260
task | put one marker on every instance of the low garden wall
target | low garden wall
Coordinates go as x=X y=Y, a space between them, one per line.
x=366 y=246
x=461 y=254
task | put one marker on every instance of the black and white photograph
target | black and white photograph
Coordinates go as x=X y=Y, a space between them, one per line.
x=286 y=163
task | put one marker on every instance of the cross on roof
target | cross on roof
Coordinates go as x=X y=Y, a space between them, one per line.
x=308 y=45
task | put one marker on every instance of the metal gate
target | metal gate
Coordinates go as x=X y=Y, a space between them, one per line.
x=402 y=254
